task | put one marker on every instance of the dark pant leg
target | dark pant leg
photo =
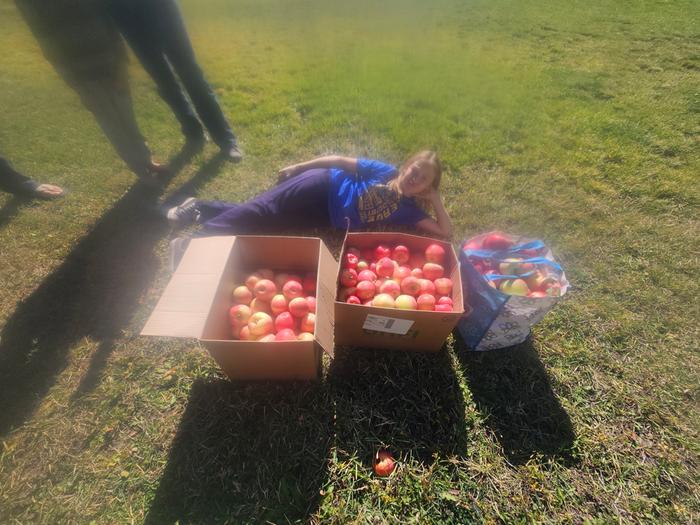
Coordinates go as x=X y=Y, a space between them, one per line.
x=12 y=181
x=176 y=43
x=138 y=32
x=298 y=202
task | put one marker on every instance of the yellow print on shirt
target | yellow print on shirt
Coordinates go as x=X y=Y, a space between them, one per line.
x=377 y=204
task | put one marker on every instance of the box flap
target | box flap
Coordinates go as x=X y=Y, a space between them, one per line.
x=184 y=307
x=325 y=297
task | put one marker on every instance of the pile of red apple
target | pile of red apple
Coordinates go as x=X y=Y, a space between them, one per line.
x=393 y=277
x=538 y=280
x=274 y=306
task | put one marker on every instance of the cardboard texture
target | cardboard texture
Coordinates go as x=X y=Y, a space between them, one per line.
x=373 y=327
x=196 y=301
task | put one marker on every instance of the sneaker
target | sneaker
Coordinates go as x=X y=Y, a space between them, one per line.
x=184 y=214
x=232 y=153
x=177 y=250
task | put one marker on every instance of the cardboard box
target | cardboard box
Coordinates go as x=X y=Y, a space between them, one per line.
x=197 y=299
x=373 y=327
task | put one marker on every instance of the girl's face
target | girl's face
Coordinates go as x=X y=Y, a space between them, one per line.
x=417 y=179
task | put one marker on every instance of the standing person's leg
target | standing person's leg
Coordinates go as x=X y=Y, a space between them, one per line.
x=137 y=31
x=178 y=50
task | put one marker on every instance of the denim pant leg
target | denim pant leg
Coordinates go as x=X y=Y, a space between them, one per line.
x=178 y=50
x=136 y=25
x=12 y=181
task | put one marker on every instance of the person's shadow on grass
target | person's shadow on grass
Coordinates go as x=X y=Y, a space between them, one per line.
x=93 y=294
x=247 y=453
x=407 y=402
x=512 y=390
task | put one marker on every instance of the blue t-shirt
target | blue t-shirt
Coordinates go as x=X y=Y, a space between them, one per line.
x=366 y=199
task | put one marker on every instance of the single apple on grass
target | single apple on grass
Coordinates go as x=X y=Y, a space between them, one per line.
x=406 y=302
x=298 y=307
x=242 y=295
x=383 y=463
x=401 y=254
x=383 y=300
x=426 y=301
x=265 y=290
x=435 y=253
x=260 y=324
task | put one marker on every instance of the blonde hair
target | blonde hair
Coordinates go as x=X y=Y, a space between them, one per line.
x=423 y=158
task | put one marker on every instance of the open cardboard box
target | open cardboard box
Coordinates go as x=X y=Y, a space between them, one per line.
x=197 y=299
x=373 y=327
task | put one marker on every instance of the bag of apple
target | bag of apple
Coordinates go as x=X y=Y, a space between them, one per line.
x=513 y=282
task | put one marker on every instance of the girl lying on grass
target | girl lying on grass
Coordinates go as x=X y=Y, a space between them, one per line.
x=327 y=191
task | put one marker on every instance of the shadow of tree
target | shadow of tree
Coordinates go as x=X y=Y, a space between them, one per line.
x=511 y=388
x=246 y=453
x=94 y=293
x=408 y=402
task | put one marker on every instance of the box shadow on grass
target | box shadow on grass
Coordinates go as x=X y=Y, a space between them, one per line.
x=94 y=293
x=511 y=389
x=247 y=452
x=408 y=402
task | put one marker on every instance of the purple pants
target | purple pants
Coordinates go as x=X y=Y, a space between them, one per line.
x=301 y=201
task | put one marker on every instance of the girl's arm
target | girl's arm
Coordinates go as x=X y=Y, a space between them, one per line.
x=329 y=161
x=443 y=225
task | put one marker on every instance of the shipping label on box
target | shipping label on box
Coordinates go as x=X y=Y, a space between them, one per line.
x=390 y=325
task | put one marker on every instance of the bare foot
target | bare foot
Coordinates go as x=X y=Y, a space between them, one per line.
x=48 y=191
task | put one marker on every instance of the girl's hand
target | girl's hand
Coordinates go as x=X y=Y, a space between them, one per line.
x=287 y=173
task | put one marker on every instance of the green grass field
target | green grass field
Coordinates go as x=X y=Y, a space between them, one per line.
x=575 y=122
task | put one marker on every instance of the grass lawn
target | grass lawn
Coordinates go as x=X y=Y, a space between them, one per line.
x=576 y=122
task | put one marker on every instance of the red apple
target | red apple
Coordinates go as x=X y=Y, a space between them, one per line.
x=265 y=290
x=383 y=300
x=242 y=295
x=406 y=302
x=410 y=286
x=445 y=300
x=309 y=283
x=292 y=289
x=308 y=323
x=433 y=271
x=305 y=336
x=514 y=287
x=435 y=254
x=252 y=280
x=401 y=273
x=497 y=241
x=350 y=260
x=239 y=314
x=443 y=286
x=365 y=290
x=417 y=273
x=256 y=305
x=390 y=287
x=353 y=299
x=286 y=334
x=401 y=254
x=278 y=304
x=284 y=320
x=426 y=286
x=260 y=324
x=426 y=301
x=348 y=277
x=298 y=307
x=381 y=251
x=472 y=245
x=244 y=334
x=443 y=308
x=367 y=275
x=385 y=267
x=383 y=464
x=312 y=303
x=344 y=293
